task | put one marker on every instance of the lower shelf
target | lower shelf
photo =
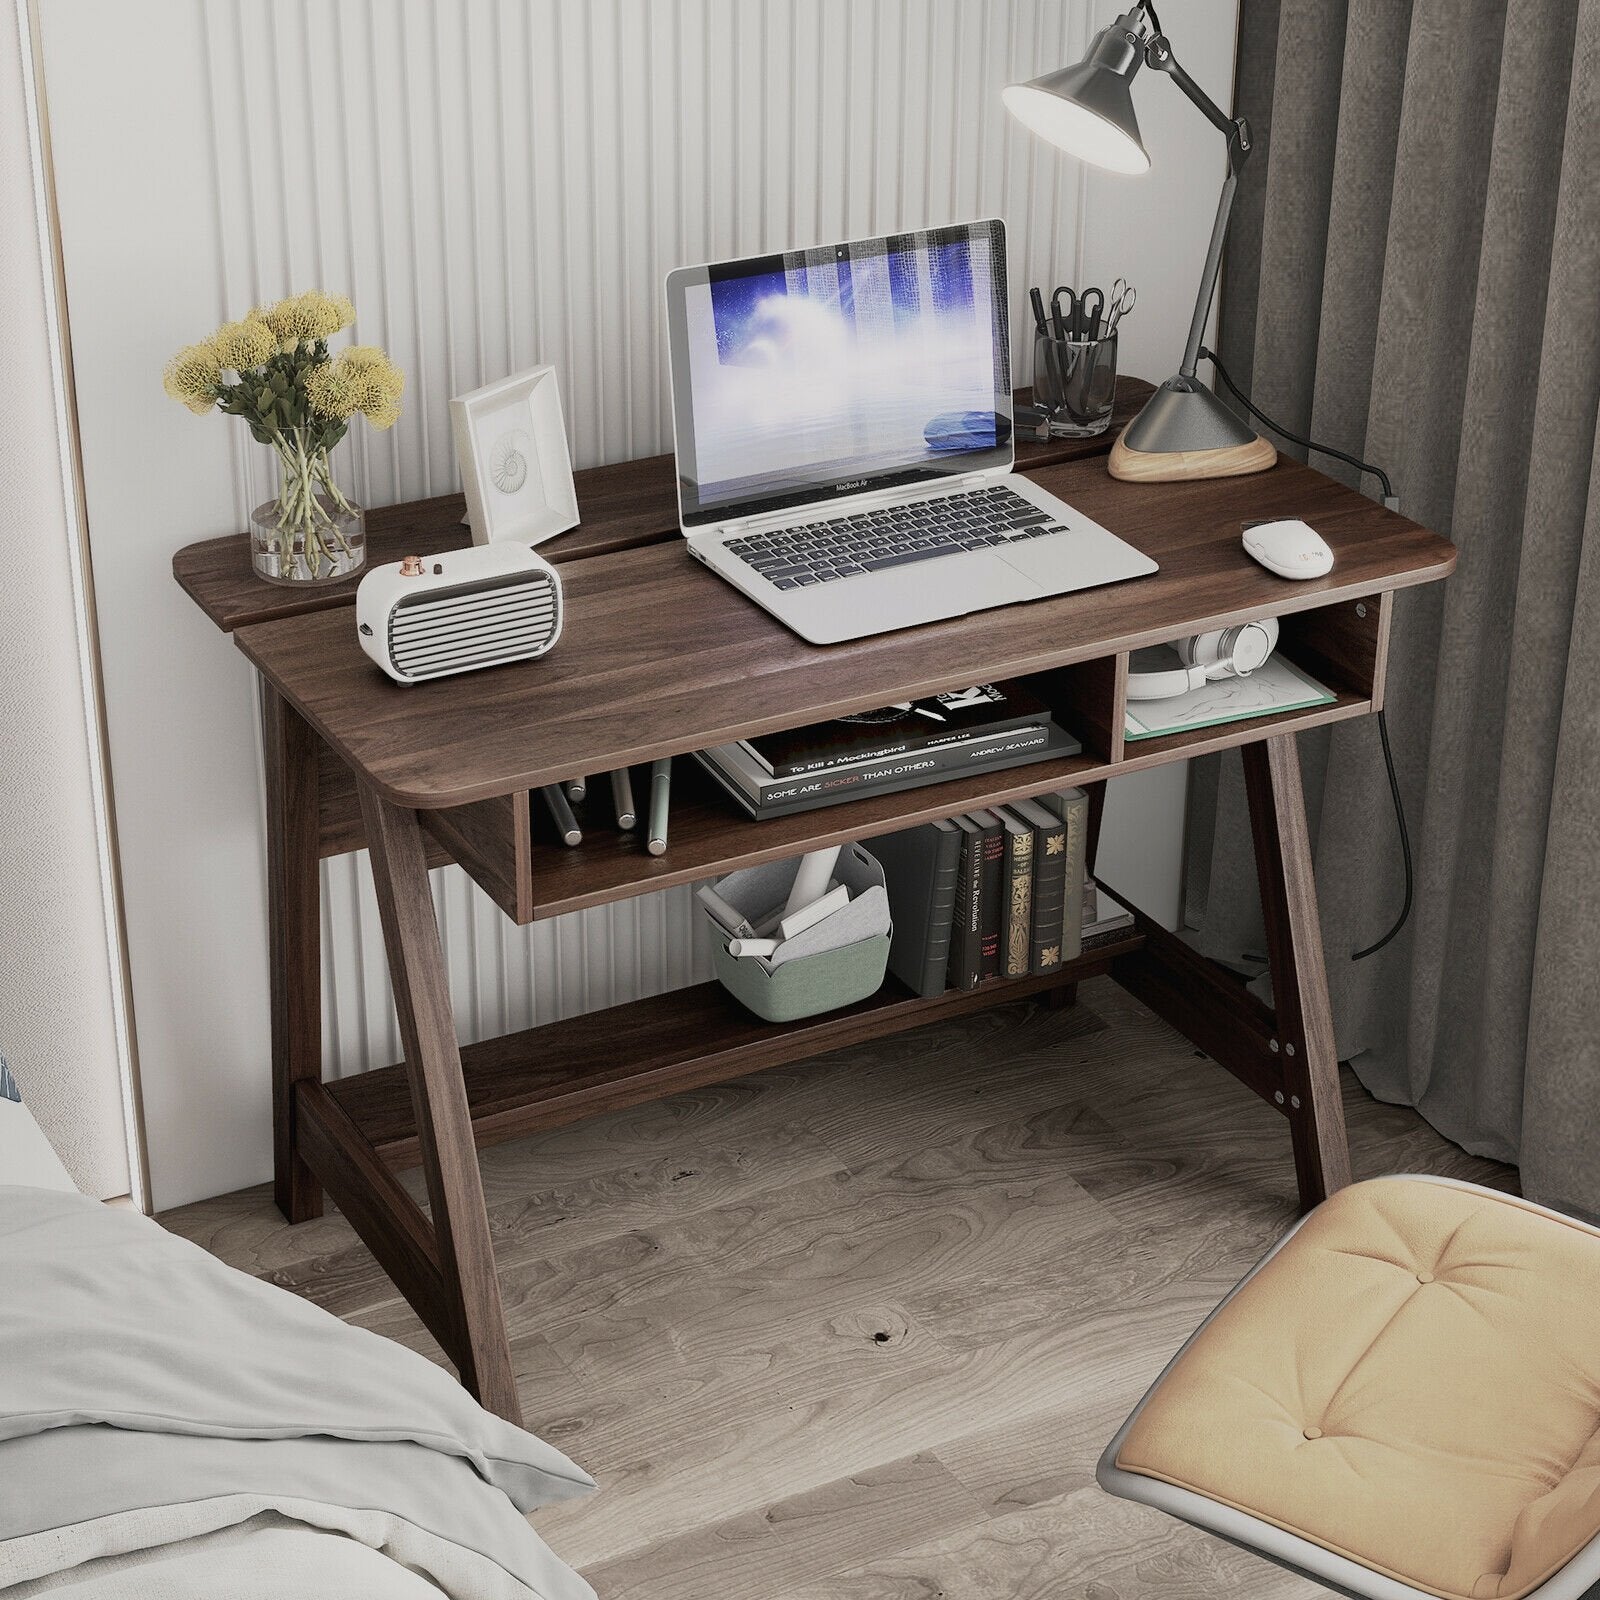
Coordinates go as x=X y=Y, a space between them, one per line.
x=652 y=1048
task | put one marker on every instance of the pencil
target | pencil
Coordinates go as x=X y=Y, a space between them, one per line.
x=660 y=799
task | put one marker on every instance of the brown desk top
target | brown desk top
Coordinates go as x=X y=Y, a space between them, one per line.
x=658 y=656
x=625 y=505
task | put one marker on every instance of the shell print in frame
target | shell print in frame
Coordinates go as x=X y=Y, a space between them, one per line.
x=508 y=461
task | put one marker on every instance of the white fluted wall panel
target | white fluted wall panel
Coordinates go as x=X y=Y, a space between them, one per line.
x=496 y=183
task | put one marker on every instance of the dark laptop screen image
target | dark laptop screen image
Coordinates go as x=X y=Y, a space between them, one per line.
x=824 y=372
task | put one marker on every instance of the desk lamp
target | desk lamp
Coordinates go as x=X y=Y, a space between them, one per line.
x=1184 y=430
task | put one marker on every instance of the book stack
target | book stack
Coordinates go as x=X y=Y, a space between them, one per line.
x=1000 y=893
x=904 y=746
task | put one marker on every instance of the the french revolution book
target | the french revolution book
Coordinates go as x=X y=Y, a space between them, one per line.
x=920 y=868
x=936 y=719
x=991 y=914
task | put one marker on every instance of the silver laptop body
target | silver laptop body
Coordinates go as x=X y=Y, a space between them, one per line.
x=843 y=431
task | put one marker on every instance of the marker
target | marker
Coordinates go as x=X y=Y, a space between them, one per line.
x=752 y=947
x=660 y=799
x=571 y=833
x=622 y=798
x=731 y=919
x=577 y=788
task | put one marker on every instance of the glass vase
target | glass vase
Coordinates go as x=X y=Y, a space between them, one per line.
x=311 y=533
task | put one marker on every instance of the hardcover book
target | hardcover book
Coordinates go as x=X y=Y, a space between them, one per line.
x=992 y=911
x=1049 y=885
x=1017 y=888
x=1072 y=806
x=966 y=936
x=925 y=724
x=764 y=796
x=920 y=869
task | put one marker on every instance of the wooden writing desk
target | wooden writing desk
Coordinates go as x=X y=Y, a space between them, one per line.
x=659 y=657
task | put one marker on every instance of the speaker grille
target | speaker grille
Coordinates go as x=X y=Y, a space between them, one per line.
x=476 y=625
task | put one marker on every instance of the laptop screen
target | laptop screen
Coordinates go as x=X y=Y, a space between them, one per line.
x=821 y=373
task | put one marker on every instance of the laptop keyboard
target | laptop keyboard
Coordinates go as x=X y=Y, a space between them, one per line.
x=892 y=536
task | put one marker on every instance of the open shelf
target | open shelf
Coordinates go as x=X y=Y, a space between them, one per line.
x=709 y=835
x=649 y=1048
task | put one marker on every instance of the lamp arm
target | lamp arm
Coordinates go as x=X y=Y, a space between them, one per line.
x=1158 y=55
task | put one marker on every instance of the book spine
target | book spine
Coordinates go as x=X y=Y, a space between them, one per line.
x=1049 y=896
x=852 y=780
x=1049 y=751
x=941 y=914
x=1075 y=814
x=1019 y=902
x=993 y=913
x=798 y=767
x=966 y=939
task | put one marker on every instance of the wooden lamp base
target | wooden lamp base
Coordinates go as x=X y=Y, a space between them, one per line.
x=1170 y=466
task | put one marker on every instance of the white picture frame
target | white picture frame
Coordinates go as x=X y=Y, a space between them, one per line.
x=511 y=442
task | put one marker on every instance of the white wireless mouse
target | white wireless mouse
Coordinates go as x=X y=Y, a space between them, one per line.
x=1289 y=547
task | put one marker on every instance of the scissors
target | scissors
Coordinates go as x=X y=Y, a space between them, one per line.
x=1123 y=298
x=1083 y=313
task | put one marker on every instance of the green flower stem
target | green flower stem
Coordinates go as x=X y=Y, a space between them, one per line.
x=301 y=513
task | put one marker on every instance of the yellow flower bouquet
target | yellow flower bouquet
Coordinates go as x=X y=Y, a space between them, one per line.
x=273 y=368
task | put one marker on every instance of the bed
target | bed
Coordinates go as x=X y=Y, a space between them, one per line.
x=172 y=1428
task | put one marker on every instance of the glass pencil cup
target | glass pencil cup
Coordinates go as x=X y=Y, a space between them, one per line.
x=1075 y=383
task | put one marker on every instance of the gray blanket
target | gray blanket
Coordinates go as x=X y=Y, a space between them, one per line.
x=150 y=1395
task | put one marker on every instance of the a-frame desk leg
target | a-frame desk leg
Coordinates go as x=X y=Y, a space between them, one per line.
x=444 y=1123
x=294 y=930
x=1310 y=1063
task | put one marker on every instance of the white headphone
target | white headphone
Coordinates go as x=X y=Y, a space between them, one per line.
x=1206 y=657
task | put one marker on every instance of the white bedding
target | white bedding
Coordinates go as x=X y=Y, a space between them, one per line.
x=160 y=1414
x=268 y=1557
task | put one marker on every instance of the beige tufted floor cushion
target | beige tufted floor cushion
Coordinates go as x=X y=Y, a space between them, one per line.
x=1412 y=1381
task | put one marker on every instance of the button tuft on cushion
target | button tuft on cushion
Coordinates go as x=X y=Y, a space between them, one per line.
x=1468 y=1423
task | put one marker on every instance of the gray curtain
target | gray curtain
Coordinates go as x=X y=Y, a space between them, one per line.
x=1414 y=276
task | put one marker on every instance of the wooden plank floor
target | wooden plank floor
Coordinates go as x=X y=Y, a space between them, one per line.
x=858 y=1328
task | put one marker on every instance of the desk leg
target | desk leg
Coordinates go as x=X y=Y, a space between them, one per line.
x=1299 y=977
x=294 y=911
x=439 y=1097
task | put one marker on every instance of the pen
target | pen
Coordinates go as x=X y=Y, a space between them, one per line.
x=571 y=833
x=577 y=788
x=622 y=798
x=660 y=798
x=1038 y=311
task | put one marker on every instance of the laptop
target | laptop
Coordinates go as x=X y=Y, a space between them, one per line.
x=842 y=422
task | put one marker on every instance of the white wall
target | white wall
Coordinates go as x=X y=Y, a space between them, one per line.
x=496 y=183
x=61 y=1023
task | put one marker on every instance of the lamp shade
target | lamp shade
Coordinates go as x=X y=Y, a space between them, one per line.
x=1087 y=109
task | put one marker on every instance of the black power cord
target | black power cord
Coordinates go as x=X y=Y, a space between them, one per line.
x=1405 y=844
x=1391 y=500
x=1294 y=438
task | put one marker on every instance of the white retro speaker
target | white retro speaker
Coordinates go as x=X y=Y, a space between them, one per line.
x=430 y=616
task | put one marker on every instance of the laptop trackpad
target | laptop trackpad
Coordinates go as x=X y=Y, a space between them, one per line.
x=1082 y=559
